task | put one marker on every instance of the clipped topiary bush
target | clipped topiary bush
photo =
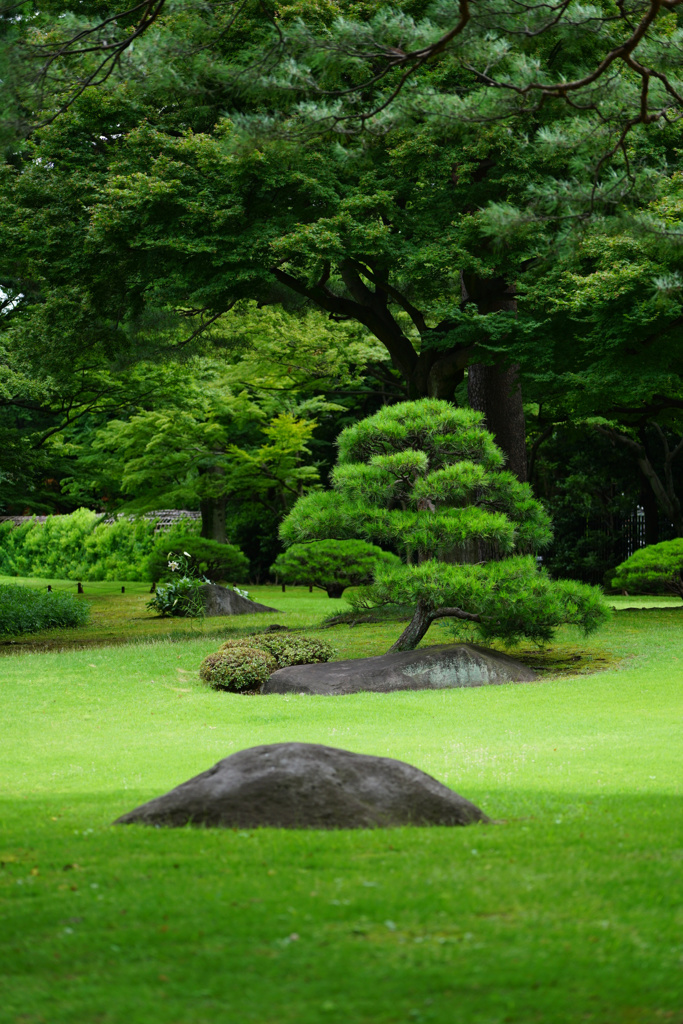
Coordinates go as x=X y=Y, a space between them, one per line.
x=332 y=565
x=290 y=649
x=24 y=610
x=427 y=480
x=218 y=562
x=655 y=569
x=237 y=669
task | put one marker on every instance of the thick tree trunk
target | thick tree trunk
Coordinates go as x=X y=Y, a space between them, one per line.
x=213 y=508
x=439 y=367
x=495 y=390
x=497 y=393
x=335 y=590
x=213 y=519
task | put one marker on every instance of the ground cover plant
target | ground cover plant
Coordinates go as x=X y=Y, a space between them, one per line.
x=564 y=910
x=243 y=664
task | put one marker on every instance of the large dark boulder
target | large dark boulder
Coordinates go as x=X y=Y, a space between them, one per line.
x=441 y=667
x=225 y=601
x=305 y=785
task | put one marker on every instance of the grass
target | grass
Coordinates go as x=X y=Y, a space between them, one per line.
x=119 y=617
x=124 y=617
x=566 y=910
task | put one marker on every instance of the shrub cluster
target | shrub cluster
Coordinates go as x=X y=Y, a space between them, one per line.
x=239 y=669
x=287 y=649
x=245 y=663
x=81 y=546
x=23 y=610
x=181 y=597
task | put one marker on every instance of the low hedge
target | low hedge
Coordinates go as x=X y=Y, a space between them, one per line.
x=81 y=546
x=655 y=569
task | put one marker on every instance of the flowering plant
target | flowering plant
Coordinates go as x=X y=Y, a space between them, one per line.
x=183 y=595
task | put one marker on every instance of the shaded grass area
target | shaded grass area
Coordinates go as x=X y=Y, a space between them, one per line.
x=567 y=910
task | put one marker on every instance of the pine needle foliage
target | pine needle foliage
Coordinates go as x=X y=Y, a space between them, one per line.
x=427 y=480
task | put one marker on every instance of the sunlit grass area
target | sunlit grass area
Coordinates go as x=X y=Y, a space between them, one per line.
x=567 y=909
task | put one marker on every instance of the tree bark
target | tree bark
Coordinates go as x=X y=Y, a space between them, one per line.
x=663 y=490
x=422 y=620
x=415 y=630
x=213 y=519
x=213 y=507
x=438 y=368
x=495 y=390
x=497 y=393
x=335 y=590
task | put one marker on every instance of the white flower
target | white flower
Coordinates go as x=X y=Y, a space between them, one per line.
x=187 y=554
x=174 y=566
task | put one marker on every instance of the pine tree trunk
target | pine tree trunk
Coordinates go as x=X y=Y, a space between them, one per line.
x=415 y=630
x=335 y=590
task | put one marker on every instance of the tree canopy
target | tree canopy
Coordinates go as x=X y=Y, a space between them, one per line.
x=476 y=203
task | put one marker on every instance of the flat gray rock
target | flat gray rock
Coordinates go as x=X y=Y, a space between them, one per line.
x=305 y=785
x=442 y=667
x=225 y=601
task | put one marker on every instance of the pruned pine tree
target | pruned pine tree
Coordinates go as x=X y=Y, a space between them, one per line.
x=427 y=480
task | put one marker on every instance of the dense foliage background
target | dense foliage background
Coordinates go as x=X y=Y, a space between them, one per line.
x=229 y=232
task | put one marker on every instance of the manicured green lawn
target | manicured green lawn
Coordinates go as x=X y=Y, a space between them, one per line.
x=568 y=909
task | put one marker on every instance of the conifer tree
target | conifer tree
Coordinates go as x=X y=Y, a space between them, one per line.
x=427 y=480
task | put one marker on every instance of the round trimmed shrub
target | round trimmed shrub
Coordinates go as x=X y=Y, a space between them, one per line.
x=332 y=565
x=655 y=569
x=218 y=562
x=237 y=669
x=286 y=649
